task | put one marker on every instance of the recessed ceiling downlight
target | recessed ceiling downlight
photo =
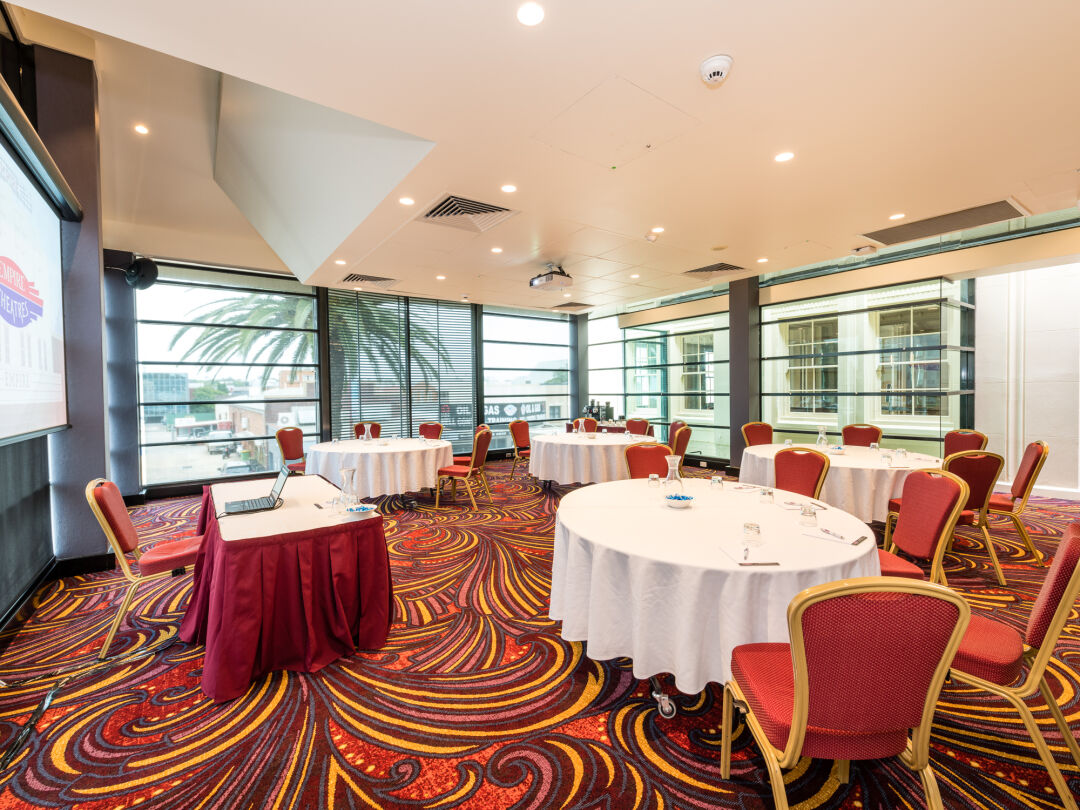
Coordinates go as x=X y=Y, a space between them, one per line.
x=496 y=250
x=762 y=260
x=509 y=188
x=530 y=13
x=440 y=278
x=142 y=129
x=339 y=261
x=658 y=229
x=406 y=200
x=784 y=157
x=895 y=217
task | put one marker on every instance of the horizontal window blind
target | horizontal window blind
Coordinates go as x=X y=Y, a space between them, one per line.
x=442 y=367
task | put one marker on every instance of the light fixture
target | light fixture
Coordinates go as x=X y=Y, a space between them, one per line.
x=496 y=250
x=635 y=275
x=339 y=261
x=142 y=129
x=650 y=237
x=530 y=13
x=509 y=188
x=358 y=289
x=440 y=278
x=658 y=229
x=896 y=216
x=784 y=157
x=566 y=295
x=762 y=260
x=406 y=200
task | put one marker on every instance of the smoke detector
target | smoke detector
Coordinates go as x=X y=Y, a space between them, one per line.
x=716 y=68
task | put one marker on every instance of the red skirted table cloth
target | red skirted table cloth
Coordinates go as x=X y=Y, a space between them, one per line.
x=295 y=588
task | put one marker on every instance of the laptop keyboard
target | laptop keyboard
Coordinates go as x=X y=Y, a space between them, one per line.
x=248 y=505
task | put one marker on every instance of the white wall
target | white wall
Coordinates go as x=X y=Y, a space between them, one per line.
x=1027 y=370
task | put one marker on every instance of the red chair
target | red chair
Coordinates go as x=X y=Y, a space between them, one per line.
x=519 y=433
x=590 y=424
x=980 y=471
x=431 y=430
x=639 y=427
x=373 y=429
x=290 y=441
x=1006 y=505
x=801 y=470
x=992 y=655
x=645 y=458
x=756 y=433
x=859 y=680
x=957 y=441
x=861 y=435
x=158 y=562
x=681 y=442
x=460 y=460
x=923 y=528
x=467 y=472
x=674 y=428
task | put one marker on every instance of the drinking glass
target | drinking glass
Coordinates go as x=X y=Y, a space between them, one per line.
x=787 y=442
x=766 y=495
x=874 y=446
x=807 y=515
x=654 y=480
x=716 y=482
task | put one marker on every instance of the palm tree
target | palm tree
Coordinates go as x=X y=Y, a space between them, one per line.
x=277 y=330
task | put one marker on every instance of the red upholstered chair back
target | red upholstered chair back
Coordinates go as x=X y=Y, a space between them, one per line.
x=481 y=443
x=639 y=427
x=931 y=501
x=431 y=430
x=290 y=441
x=957 y=441
x=873 y=657
x=1030 y=467
x=682 y=440
x=519 y=431
x=480 y=427
x=1058 y=592
x=757 y=433
x=861 y=435
x=674 y=428
x=801 y=470
x=588 y=421
x=979 y=471
x=645 y=458
x=374 y=429
x=117 y=523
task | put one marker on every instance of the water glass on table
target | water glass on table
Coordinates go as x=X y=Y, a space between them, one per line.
x=807 y=515
x=716 y=483
x=766 y=495
x=654 y=480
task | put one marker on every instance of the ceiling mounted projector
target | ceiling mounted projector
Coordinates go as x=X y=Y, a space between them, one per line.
x=555 y=279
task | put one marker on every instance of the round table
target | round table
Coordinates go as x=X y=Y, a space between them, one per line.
x=383 y=466
x=665 y=587
x=857 y=482
x=569 y=458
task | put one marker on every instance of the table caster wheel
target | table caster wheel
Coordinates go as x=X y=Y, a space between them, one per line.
x=666 y=706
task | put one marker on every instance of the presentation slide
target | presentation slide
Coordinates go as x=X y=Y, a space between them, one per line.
x=33 y=395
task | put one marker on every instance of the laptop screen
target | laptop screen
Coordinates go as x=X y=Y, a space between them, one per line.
x=279 y=484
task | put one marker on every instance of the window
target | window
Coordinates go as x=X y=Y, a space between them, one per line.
x=812 y=371
x=225 y=360
x=698 y=376
x=400 y=362
x=912 y=371
x=527 y=367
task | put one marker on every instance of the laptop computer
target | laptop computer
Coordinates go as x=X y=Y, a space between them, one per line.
x=262 y=504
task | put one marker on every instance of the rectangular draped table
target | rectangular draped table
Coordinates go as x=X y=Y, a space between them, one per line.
x=294 y=588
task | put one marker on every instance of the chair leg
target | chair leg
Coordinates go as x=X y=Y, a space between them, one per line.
x=1059 y=718
x=125 y=606
x=725 y=729
x=1045 y=753
x=513 y=466
x=1023 y=532
x=776 y=782
x=993 y=555
x=453 y=488
x=484 y=481
x=438 y=490
x=887 y=543
x=468 y=488
x=843 y=771
x=930 y=788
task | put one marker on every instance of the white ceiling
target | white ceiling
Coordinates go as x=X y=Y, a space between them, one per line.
x=924 y=108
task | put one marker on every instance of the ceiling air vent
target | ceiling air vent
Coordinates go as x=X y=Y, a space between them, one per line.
x=371 y=281
x=467 y=215
x=713 y=269
x=947 y=223
x=572 y=306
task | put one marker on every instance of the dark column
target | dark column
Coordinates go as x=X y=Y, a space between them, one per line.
x=326 y=414
x=67 y=123
x=122 y=380
x=745 y=339
x=579 y=364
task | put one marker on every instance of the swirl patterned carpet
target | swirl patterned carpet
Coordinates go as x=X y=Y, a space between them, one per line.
x=475 y=701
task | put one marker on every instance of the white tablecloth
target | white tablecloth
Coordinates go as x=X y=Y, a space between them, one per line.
x=858 y=481
x=298 y=510
x=383 y=466
x=635 y=578
x=569 y=458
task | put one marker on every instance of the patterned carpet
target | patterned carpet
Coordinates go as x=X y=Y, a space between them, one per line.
x=474 y=702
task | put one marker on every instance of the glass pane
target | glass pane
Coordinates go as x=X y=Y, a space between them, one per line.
x=224 y=420
x=503 y=383
x=603 y=330
x=166 y=383
x=506 y=355
x=607 y=355
x=222 y=344
x=605 y=383
x=203 y=461
x=502 y=410
x=526 y=330
x=180 y=303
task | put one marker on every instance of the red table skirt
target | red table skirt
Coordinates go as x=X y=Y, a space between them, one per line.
x=294 y=601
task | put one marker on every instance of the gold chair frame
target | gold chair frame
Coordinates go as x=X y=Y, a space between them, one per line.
x=745 y=438
x=517 y=456
x=917 y=754
x=476 y=470
x=133 y=579
x=981 y=522
x=1015 y=514
x=366 y=431
x=937 y=567
x=824 y=469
